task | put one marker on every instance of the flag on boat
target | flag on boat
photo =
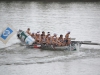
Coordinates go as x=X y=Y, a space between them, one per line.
x=7 y=33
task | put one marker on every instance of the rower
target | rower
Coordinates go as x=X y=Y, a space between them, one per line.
x=67 y=39
x=48 y=33
x=54 y=39
x=28 y=31
x=43 y=38
x=33 y=35
x=38 y=37
x=48 y=39
x=61 y=40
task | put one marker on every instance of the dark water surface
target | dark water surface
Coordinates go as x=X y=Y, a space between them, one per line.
x=82 y=19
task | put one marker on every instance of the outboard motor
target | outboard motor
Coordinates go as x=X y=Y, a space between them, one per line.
x=23 y=36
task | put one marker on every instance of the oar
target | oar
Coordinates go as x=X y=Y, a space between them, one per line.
x=91 y=43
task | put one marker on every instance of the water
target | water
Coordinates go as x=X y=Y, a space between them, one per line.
x=82 y=19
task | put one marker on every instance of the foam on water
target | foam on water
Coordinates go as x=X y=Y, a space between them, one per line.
x=21 y=55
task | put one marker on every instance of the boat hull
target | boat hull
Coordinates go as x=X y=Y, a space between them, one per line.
x=51 y=47
x=44 y=46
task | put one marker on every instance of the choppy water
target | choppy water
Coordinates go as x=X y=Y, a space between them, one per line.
x=82 y=19
x=21 y=55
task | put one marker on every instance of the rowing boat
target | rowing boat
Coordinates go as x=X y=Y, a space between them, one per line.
x=29 y=41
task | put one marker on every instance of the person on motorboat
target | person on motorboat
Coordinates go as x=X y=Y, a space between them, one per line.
x=61 y=40
x=28 y=31
x=38 y=37
x=67 y=39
